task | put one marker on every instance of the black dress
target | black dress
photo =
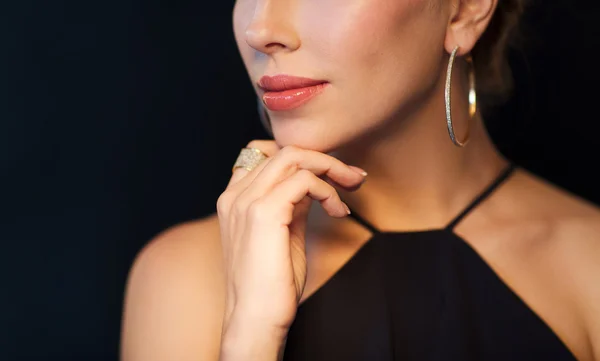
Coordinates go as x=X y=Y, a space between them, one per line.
x=420 y=295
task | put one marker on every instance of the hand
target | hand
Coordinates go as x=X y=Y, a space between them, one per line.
x=262 y=216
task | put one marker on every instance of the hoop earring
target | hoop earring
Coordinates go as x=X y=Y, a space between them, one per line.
x=472 y=97
x=264 y=117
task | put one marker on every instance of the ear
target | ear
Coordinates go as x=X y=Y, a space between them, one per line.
x=468 y=21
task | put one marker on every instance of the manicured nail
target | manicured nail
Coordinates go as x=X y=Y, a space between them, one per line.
x=347 y=209
x=359 y=170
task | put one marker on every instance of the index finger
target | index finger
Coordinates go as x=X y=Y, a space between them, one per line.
x=291 y=159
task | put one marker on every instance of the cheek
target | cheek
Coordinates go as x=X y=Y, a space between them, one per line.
x=374 y=41
x=385 y=55
x=354 y=28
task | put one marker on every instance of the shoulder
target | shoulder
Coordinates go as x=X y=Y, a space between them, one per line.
x=180 y=251
x=174 y=295
x=571 y=243
x=577 y=244
x=570 y=223
x=184 y=242
x=570 y=219
x=534 y=209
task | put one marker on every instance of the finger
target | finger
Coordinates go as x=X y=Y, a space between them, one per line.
x=301 y=184
x=290 y=159
x=347 y=189
x=239 y=176
x=268 y=147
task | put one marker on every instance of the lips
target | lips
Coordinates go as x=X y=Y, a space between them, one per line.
x=285 y=92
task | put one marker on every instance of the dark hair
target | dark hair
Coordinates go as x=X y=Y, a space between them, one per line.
x=490 y=54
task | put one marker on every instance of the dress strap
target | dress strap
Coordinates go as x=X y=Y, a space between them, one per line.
x=483 y=195
x=363 y=222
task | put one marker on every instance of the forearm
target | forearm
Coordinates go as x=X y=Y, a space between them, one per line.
x=244 y=340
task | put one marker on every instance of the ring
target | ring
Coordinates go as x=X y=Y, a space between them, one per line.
x=249 y=158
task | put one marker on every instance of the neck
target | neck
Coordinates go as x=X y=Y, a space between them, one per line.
x=417 y=178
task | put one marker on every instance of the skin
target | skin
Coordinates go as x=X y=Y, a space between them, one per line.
x=383 y=112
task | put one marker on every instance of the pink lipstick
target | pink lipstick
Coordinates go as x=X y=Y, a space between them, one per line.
x=285 y=92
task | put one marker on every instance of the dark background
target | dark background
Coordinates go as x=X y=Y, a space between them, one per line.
x=115 y=123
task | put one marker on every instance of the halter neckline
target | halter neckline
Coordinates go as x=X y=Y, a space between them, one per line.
x=504 y=175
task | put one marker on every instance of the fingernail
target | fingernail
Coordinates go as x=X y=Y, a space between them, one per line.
x=346 y=207
x=359 y=170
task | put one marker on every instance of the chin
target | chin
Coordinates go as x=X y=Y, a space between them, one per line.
x=306 y=137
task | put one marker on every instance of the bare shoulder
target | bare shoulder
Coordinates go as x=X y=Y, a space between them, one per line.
x=573 y=219
x=572 y=243
x=174 y=296
x=185 y=242
x=572 y=223
x=539 y=191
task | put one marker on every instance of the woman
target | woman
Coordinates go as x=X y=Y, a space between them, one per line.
x=456 y=255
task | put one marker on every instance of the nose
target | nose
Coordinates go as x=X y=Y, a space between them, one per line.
x=269 y=30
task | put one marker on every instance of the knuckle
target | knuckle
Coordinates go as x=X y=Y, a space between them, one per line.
x=253 y=144
x=224 y=203
x=333 y=194
x=240 y=206
x=305 y=175
x=258 y=210
x=289 y=151
x=289 y=156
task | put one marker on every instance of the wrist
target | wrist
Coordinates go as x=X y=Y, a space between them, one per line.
x=247 y=339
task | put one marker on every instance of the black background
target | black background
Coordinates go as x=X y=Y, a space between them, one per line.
x=115 y=123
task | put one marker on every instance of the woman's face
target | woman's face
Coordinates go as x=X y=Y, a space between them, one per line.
x=381 y=59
